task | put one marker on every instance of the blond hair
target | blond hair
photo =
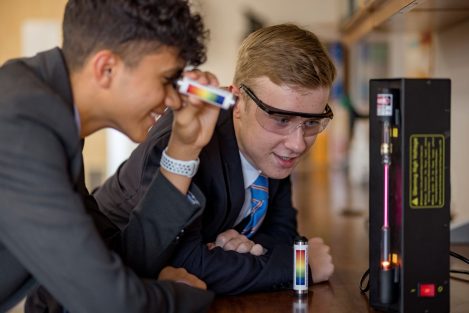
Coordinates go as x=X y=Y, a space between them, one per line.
x=286 y=54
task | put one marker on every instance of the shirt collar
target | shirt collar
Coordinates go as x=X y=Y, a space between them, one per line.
x=250 y=173
x=77 y=118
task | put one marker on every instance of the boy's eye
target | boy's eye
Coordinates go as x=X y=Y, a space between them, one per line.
x=312 y=123
x=282 y=120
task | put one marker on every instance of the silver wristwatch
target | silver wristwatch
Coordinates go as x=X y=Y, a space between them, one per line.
x=185 y=168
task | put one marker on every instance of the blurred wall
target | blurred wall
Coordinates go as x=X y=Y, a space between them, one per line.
x=229 y=21
x=447 y=58
x=451 y=61
x=13 y=13
x=29 y=26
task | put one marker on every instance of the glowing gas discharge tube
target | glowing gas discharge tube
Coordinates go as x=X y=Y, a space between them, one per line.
x=385 y=112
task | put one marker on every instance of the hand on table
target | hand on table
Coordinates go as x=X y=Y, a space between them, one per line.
x=180 y=275
x=320 y=260
x=231 y=240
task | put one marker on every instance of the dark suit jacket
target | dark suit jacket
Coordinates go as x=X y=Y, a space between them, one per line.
x=46 y=230
x=220 y=178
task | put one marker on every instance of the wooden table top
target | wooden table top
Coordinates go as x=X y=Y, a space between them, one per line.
x=343 y=225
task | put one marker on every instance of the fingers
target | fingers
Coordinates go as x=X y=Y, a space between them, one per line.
x=315 y=241
x=257 y=250
x=178 y=102
x=318 y=246
x=231 y=240
x=180 y=275
x=194 y=121
x=320 y=260
x=322 y=273
x=226 y=236
x=239 y=243
x=204 y=78
x=192 y=281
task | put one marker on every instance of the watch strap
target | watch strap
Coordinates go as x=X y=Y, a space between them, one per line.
x=184 y=168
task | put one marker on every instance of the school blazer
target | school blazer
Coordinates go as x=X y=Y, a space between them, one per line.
x=51 y=231
x=220 y=178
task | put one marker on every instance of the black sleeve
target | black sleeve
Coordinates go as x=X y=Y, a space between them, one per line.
x=228 y=272
x=121 y=193
x=224 y=272
x=156 y=226
x=45 y=226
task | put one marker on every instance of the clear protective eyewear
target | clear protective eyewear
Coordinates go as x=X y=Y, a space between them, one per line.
x=284 y=122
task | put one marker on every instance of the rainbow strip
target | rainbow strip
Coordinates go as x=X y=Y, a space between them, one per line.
x=300 y=268
x=205 y=94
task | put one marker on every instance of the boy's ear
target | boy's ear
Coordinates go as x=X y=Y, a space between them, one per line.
x=104 y=65
x=234 y=90
x=239 y=104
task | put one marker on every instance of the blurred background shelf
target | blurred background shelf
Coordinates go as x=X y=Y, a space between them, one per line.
x=403 y=15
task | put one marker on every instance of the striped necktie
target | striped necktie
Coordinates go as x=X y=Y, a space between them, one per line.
x=259 y=201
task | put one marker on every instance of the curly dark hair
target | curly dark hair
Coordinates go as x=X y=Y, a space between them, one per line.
x=132 y=29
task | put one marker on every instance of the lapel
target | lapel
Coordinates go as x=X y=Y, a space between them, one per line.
x=232 y=169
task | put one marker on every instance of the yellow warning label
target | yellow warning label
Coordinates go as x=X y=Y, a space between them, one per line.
x=427 y=171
